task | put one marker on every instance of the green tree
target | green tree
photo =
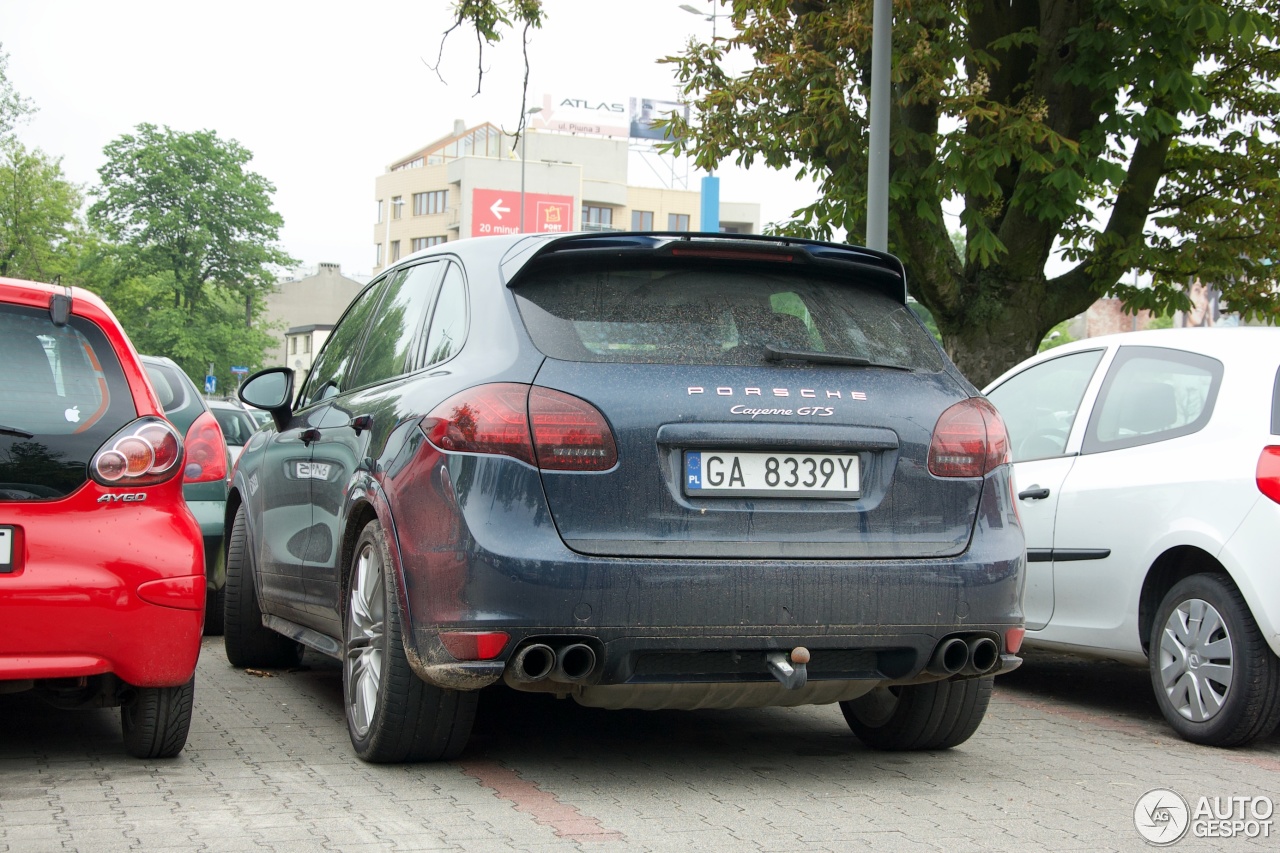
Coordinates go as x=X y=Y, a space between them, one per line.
x=39 y=214
x=195 y=247
x=1135 y=135
x=185 y=204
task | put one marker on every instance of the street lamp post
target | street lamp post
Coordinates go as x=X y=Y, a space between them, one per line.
x=712 y=17
x=878 y=132
x=709 y=197
x=523 y=131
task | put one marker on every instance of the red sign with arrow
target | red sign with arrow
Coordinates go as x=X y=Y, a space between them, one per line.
x=498 y=212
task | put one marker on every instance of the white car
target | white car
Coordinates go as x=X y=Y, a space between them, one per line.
x=1147 y=470
x=237 y=425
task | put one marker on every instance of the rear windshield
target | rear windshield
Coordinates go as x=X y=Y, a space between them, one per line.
x=62 y=395
x=716 y=315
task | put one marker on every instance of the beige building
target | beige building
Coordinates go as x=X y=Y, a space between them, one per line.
x=469 y=184
x=303 y=310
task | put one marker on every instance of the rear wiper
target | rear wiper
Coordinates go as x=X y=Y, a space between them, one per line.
x=773 y=353
x=7 y=430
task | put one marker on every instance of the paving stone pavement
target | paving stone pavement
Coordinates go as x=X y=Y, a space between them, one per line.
x=1065 y=752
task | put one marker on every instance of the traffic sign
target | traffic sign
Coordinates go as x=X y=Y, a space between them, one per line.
x=210 y=384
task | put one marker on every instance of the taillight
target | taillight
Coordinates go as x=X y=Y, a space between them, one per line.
x=548 y=429
x=144 y=453
x=488 y=419
x=569 y=434
x=206 y=451
x=1269 y=473
x=969 y=440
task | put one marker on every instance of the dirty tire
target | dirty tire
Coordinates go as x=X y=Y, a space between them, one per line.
x=247 y=641
x=1232 y=694
x=392 y=715
x=155 y=720
x=938 y=715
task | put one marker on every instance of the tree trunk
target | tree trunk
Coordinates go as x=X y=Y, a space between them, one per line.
x=983 y=352
x=1005 y=323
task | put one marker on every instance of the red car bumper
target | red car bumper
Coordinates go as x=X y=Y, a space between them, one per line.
x=103 y=587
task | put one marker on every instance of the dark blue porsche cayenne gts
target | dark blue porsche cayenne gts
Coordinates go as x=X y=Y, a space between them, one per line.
x=638 y=470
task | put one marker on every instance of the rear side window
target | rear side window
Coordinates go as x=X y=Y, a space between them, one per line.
x=1152 y=394
x=62 y=395
x=449 y=322
x=724 y=314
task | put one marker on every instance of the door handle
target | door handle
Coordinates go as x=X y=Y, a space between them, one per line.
x=1033 y=493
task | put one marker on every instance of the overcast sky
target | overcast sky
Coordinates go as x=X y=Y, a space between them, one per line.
x=327 y=94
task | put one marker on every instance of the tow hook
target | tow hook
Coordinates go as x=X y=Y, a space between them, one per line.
x=790 y=671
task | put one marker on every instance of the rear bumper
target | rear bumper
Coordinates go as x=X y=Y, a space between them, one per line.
x=128 y=600
x=472 y=564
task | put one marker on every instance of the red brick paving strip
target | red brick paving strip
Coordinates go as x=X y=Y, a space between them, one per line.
x=546 y=809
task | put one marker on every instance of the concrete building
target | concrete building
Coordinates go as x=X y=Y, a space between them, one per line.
x=303 y=310
x=473 y=182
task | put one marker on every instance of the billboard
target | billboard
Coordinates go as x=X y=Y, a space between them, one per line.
x=605 y=116
x=498 y=212
x=644 y=111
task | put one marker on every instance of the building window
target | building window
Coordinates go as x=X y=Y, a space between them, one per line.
x=395 y=251
x=642 y=220
x=677 y=222
x=396 y=203
x=596 y=216
x=420 y=243
x=378 y=221
x=293 y=345
x=377 y=255
x=306 y=344
x=425 y=204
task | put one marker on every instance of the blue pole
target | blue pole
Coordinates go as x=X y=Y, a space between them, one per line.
x=710 y=218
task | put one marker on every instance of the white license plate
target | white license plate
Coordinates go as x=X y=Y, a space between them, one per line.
x=781 y=475
x=6 y=549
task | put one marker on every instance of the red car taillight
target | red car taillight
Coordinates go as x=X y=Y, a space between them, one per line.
x=569 y=434
x=548 y=429
x=144 y=453
x=1269 y=472
x=969 y=440
x=206 y=451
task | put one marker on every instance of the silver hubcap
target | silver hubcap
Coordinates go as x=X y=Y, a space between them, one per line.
x=1196 y=660
x=366 y=619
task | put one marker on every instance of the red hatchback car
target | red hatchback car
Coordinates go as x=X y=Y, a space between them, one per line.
x=102 y=583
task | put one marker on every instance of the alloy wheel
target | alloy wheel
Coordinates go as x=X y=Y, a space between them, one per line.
x=366 y=630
